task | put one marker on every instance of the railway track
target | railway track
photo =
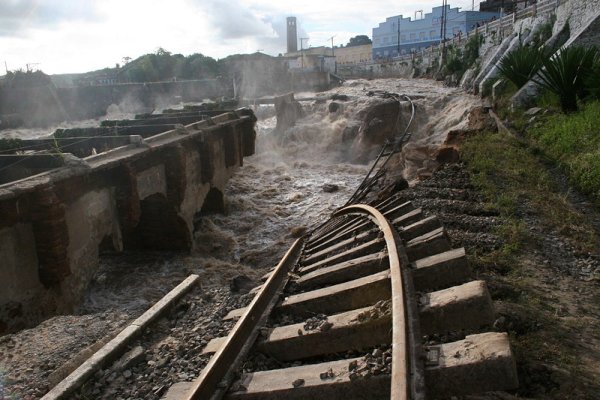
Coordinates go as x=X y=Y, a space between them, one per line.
x=346 y=310
x=371 y=304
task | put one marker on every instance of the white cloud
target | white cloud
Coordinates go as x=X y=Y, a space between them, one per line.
x=78 y=36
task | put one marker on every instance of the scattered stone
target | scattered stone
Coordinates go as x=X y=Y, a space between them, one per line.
x=298 y=231
x=298 y=383
x=129 y=359
x=327 y=375
x=340 y=97
x=314 y=323
x=330 y=188
x=241 y=284
x=533 y=111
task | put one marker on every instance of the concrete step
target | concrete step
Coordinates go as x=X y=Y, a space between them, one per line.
x=341 y=245
x=372 y=246
x=344 y=271
x=426 y=245
x=345 y=230
x=419 y=228
x=345 y=296
x=355 y=329
x=433 y=273
x=280 y=384
x=467 y=306
x=480 y=363
x=441 y=270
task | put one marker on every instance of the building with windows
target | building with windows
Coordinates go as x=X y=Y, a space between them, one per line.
x=399 y=35
x=354 y=54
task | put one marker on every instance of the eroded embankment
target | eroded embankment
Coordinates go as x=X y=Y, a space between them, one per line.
x=295 y=178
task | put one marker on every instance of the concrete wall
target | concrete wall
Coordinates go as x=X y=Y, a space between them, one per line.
x=138 y=196
x=388 y=69
x=353 y=54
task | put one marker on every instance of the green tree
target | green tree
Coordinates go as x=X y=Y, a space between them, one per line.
x=521 y=64
x=565 y=74
x=359 y=40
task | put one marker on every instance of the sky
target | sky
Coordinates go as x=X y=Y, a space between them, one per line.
x=73 y=36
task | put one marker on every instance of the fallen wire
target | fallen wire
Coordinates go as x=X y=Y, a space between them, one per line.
x=390 y=147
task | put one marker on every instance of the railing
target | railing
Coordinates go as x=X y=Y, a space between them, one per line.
x=497 y=27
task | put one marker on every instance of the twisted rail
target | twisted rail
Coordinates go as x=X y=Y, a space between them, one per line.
x=407 y=372
x=407 y=378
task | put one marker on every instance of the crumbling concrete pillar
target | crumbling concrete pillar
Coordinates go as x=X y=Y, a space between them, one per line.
x=288 y=112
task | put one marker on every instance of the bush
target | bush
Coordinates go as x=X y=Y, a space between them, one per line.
x=592 y=82
x=565 y=74
x=521 y=64
x=471 y=53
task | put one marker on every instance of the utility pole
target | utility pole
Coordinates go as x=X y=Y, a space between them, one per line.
x=332 y=52
x=443 y=33
x=302 y=50
x=399 y=18
x=333 y=55
x=29 y=66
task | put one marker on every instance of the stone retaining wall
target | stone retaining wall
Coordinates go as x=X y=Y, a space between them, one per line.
x=142 y=195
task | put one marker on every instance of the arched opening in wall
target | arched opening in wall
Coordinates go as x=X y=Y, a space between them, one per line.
x=160 y=227
x=106 y=245
x=214 y=203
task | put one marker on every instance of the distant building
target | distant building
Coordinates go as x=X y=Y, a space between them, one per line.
x=399 y=35
x=319 y=58
x=292 y=35
x=353 y=54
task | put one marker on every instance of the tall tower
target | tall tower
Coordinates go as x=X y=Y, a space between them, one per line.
x=292 y=35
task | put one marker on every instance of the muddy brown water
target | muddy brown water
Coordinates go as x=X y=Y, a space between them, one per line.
x=277 y=191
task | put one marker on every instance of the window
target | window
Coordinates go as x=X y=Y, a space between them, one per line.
x=433 y=34
x=403 y=38
x=413 y=36
x=386 y=40
x=421 y=35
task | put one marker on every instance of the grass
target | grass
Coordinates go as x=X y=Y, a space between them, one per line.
x=517 y=178
x=518 y=183
x=573 y=141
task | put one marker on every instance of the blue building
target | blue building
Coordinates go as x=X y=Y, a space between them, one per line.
x=414 y=35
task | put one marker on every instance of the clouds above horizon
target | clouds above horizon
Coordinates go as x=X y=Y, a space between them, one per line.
x=77 y=36
x=18 y=17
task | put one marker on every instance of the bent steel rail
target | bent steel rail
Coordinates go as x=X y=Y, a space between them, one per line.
x=208 y=384
x=407 y=371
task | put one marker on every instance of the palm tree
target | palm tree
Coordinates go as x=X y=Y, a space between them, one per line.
x=565 y=73
x=521 y=64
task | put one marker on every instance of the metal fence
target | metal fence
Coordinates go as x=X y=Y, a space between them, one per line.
x=501 y=27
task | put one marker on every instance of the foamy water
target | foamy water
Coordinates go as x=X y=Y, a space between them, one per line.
x=277 y=191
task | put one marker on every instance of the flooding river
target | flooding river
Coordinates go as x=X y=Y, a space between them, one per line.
x=278 y=191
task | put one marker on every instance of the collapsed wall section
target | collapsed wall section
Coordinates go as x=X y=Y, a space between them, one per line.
x=141 y=195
